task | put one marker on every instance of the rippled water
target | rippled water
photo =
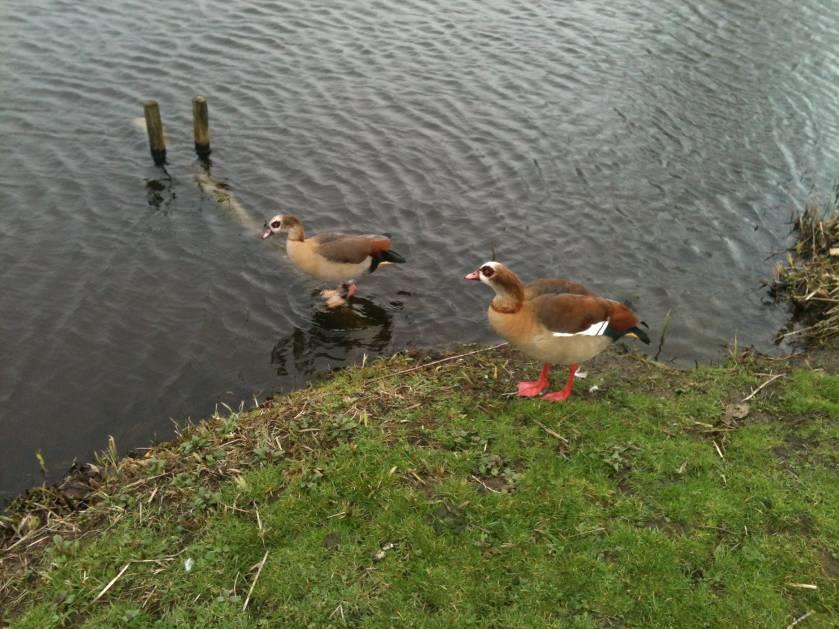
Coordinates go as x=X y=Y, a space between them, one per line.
x=651 y=150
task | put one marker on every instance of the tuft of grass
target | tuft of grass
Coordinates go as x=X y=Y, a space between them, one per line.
x=418 y=492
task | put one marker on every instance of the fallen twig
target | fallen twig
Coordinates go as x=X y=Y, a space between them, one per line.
x=21 y=540
x=485 y=486
x=755 y=392
x=340 y=609
x=552 y=432
x=111 y=582
x=38 y=541
x=800 y=618
x=255 y=579
x=798 y=331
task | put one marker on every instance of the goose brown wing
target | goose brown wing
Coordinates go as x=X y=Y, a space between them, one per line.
x=349 y=248
x=554 y=286
x=572 y=314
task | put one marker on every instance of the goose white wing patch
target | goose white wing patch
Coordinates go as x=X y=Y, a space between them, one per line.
x=595 y=329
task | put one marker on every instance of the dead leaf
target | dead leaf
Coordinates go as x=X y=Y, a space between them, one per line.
x=735 y=412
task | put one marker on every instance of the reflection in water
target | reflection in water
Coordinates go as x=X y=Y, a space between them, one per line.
x=159 y=194
x=221 y=192
x=333 y=338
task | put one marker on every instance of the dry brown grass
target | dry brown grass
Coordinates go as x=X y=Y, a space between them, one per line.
x=810 y=278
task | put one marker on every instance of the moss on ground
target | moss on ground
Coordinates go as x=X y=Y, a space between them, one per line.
x=432 y=498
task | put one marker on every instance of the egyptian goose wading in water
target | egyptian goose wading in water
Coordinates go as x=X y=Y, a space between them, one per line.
x=332 y=256
x=556 y=321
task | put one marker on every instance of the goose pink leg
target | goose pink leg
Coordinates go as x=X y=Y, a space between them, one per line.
x=348 y=289
x=532 y=389
x=561 y=396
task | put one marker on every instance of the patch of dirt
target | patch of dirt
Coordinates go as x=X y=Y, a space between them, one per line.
x=830 y=564
x=826 y=357
x=496 y=483
x=694 y=573
x=608 y=369
x=425 y=478
x=418 y=440
x=645 y=374
x=801 y=524
x=493 y=484
x=801 y=448
x=448 y=517
x=332 y=541
x=792 y=447
x=611 y=622
x=625 y=485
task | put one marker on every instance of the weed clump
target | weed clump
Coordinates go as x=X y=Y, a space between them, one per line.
x=810 y=278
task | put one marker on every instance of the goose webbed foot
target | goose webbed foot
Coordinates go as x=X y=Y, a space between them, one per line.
x=534 y=388
x=349 y=289
x=565 y=393
x=333 y=298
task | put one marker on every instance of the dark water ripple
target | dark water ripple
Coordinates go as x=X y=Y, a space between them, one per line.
x=652 y=150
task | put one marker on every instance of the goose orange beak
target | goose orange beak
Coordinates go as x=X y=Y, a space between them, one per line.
x=474 y=275
x=266 y=233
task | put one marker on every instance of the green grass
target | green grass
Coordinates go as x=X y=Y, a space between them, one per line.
x=429 y=499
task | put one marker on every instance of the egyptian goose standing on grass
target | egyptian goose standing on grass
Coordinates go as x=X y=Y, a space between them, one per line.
x=332 y=256
x=558 y=322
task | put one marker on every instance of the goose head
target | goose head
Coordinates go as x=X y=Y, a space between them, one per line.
x=283 y=223
x=506 y=284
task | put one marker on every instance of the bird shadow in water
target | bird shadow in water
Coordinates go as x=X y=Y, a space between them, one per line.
x=335 y=337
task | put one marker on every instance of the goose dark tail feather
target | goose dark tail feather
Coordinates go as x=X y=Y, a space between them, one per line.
x=643 y=336
x=391 y=256
x=385 y=256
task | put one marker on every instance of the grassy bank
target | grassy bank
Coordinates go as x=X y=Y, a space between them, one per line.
x=429 y=497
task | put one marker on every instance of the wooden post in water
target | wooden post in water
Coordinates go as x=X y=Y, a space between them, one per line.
x=155 y=129
x=201 y=126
